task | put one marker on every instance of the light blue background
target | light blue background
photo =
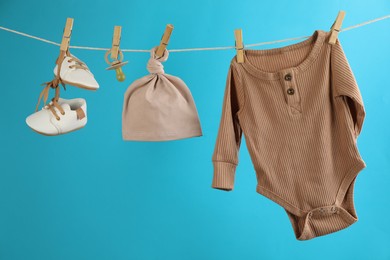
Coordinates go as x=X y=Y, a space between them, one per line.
x=89 y=195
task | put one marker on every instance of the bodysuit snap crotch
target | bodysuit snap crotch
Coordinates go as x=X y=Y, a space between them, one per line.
x=301 y=112
x=324 y=220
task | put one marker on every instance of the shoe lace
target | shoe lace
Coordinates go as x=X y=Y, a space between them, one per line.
x=78 y=64
x=55 y=83
x=54 y=102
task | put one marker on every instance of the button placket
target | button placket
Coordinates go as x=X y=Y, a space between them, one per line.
x=291 y=91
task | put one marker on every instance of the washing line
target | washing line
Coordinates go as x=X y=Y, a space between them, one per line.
x=192 y=49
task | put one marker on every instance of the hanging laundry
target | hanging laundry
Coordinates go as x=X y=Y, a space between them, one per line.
x=301 y=112
x=159 y=106
x=76 y=73
x=62 y=116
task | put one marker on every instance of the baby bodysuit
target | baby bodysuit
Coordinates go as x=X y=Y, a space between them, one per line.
x=301 y=112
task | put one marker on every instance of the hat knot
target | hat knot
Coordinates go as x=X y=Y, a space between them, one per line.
x=154 y=65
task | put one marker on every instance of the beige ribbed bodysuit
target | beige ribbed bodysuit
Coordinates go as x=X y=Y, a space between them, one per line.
x=301 y=112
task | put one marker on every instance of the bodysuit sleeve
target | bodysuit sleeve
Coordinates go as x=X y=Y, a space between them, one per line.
x=225 y=156
x=345 y=86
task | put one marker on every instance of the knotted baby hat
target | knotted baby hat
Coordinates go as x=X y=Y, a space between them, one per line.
x=159 y=107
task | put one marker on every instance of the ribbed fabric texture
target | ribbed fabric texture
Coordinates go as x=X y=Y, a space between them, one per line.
x=301 y=112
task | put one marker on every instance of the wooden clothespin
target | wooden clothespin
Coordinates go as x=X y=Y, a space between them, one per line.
x=335 y=29
x=66 y=36
x=64 y=51
x=116 y=55
x=116 y=39
x=239 y=45
x=164 y=40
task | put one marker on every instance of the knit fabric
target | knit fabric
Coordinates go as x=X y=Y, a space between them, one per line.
x=301 y=112
x=159 y=106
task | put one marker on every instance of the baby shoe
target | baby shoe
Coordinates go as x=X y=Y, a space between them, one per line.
x=59 y=117
x=76 y=73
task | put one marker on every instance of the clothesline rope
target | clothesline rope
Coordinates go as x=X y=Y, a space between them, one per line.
x=193 y=49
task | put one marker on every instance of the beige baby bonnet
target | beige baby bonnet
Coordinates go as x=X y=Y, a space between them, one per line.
x=159 y=107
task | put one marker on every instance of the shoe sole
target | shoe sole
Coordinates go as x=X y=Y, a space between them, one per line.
x=79 y=85
x=57 y=134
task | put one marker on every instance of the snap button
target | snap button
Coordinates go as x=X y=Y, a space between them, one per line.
x=288 y=77
x=335 y=210
x=290 y=91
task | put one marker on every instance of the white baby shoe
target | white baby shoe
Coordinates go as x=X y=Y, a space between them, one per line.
x=59 y=117
x=76 y=73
